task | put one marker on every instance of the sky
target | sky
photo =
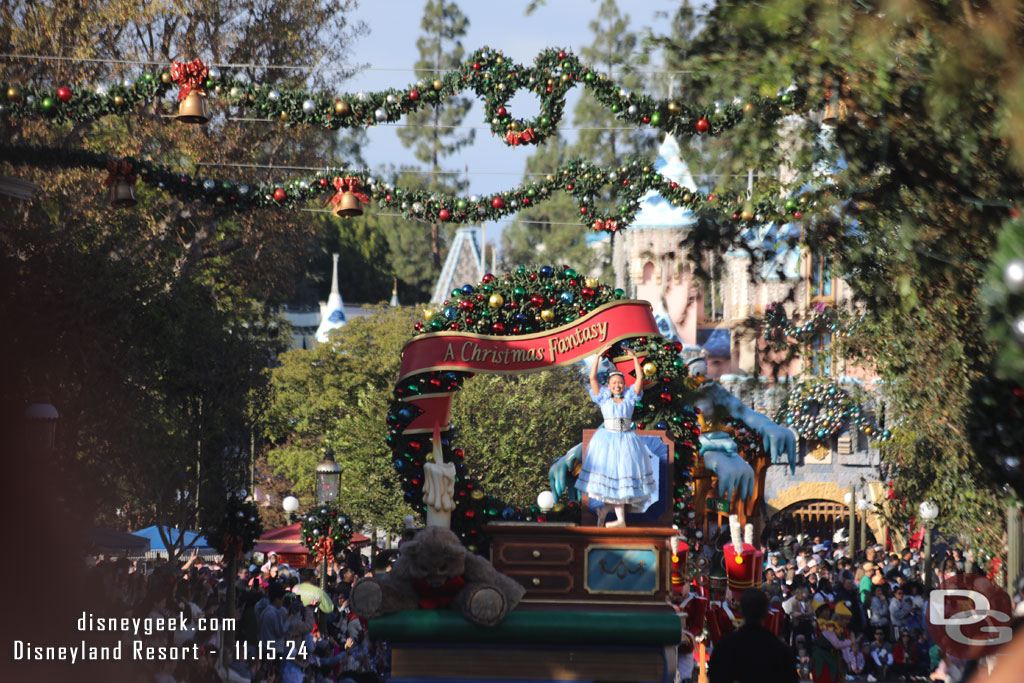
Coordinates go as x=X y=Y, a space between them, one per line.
x=391 y=44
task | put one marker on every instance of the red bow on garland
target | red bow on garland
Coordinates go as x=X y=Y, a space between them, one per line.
x=353 y=185
x=609 y=225
x=119 y=170
x=324 y=547
x=441 y=596
x=525 y=137
x=190 y=76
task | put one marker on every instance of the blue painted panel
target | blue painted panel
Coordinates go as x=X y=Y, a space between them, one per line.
x=621 y=570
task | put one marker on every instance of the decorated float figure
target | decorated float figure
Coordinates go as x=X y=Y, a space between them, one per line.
x=617 y=467
x=743 y=567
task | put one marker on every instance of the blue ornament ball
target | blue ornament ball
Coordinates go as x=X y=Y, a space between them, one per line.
x=661 y=425
x=508 y=513
x=566 y=297
x=546 y=271
x=398 y=465
x=467 y=289
x=405 y=414
x=450 y=313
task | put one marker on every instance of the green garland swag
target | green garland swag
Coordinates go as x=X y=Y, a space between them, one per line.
x=236 y=531
x=326 y=530
x=583 y=180
x=527 y=300
x=488 y=73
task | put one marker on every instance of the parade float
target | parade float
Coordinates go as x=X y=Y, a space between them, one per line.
x=592 y=602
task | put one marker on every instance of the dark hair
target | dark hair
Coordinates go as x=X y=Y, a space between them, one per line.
x=754 y=605
x=276 y=591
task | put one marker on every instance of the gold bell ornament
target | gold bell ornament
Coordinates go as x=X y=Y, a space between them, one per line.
x=120 y=180
x=191 y=79
x=349 y=199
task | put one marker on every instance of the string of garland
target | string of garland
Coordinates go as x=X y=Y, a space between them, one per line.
x=236 y=531
x=524 y=301
x=487 y=73
x=583 y=180
x=326 y=530
x=780 y=332
x=817 y=409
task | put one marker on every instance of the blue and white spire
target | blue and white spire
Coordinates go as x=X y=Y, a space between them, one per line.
x=656 y=211
x=332 y=314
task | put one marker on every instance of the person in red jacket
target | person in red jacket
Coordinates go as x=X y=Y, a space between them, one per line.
x=904 y=657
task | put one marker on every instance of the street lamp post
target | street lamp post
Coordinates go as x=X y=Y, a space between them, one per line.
x=851 y=500
x=863 y=504
x=291 y=506
x=928 y=512
x=328 y=477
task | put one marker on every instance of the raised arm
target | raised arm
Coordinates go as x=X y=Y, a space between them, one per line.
x=638 y=387
x=595 y=386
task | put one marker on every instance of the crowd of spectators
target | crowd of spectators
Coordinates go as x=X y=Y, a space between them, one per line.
x=276 y=636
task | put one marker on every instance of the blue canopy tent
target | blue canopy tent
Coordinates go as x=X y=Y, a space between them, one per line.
x=174 y=536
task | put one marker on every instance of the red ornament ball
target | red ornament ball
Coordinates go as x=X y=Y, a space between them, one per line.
x=587 y=292
x=64 y=94
x=444 y=214
x=583 y=211
x=561 y=54
x=476 y=66
x=702 y=126
x=498 y=203
x=797 y=214
x=280 y=195
x=498 y=328
x=323 y=182
x=502 y=111
x=487 y=278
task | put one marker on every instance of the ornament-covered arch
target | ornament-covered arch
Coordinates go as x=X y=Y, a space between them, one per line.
x=529 y=320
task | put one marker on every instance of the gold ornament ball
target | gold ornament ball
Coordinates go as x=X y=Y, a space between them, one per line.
x=429 y=457
x=217 y=89
x=477 y=494
x=547 y=315
x=437 y=84
x=514 y=125
x=746 y=214
x=165 y=77
x=428 y=314
x=284 y=116
x=591 y=282
x=118 y=100
x=13 y=93
x=650 y=369
x=341 y=108
x=748 y=107
x=496 y=301
x=558 y=507
x=565 y=78
x=550 y=178
x=674 y=108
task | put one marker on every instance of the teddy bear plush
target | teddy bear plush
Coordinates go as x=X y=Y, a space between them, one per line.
x=434 y=570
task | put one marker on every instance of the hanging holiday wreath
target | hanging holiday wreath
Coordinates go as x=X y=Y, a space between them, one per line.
x=235 y=532
x=529 y=301
x=326 y=530
x=817 y=410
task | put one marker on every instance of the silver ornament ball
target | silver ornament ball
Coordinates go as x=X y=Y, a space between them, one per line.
x=273 y=96
x=1018 y=329
x=380 y=115
x=308 y=106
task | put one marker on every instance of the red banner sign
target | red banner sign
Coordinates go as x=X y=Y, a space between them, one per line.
x=529 y=352
x=521 y=354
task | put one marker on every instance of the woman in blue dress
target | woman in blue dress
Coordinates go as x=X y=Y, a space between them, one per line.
x=617 y=465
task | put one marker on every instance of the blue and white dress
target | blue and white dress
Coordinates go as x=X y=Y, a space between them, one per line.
x=617 y=465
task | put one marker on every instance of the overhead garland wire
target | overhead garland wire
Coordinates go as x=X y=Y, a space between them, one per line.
x=580 y=179
x=488 y=73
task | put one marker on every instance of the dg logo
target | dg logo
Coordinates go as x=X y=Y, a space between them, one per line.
x=969 y=616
